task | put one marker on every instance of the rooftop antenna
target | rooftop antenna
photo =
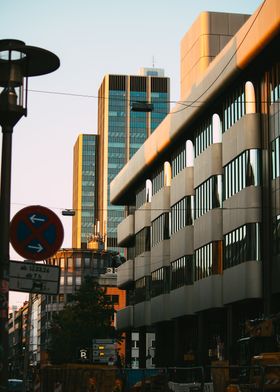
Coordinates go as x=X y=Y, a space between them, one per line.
x=153 y=62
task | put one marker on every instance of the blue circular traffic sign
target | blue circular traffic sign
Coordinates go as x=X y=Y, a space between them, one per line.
x=36 y=233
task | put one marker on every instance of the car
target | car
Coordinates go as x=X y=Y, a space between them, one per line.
x=15 y=385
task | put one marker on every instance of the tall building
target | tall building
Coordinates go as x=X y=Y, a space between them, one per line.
x=206 y=242
x=121 y=132
x=84 y=189
x=18 y=326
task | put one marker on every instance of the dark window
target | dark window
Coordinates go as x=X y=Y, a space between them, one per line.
x=208 y=260
x=182 y=272
x=208 y=195
x=182 y=214
x=143 y=241
x=160 y=281
x=233 y=107
x=160 y=229
x=242 y=244
x=157 y=180
x=142 y=289
x=276 y=235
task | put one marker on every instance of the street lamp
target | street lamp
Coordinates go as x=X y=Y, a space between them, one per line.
x=17 y=62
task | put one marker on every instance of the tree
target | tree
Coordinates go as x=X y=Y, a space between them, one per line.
x=88 y=317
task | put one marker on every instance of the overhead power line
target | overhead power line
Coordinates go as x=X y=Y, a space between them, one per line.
x=150 y=209
x=185 y=104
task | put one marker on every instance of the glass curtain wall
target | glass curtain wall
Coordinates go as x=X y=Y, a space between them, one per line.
x=116 y=156
x=88 y=186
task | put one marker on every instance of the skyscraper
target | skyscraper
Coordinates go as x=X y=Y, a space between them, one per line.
x=84 y=176
x=122 y=131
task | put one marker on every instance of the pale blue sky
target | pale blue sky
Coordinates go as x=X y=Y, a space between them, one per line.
x=91 y=38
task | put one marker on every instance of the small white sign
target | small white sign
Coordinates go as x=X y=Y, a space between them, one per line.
x=34 y=277
x=83 y=354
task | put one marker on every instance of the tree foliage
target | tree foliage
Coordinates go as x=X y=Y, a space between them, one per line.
x=88 y=317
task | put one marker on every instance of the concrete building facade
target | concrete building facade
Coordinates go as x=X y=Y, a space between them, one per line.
x=203 y=197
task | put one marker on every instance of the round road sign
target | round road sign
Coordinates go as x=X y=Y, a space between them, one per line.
x=36 y=233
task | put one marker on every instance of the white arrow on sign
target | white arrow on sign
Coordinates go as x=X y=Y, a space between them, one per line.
x=39 y=247
x=34 y=219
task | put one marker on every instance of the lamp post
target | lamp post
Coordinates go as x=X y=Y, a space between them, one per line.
x=17 y=62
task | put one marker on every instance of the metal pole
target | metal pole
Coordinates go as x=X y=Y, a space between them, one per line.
x=5 y=202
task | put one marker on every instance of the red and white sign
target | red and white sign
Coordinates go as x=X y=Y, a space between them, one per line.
x=36 y=233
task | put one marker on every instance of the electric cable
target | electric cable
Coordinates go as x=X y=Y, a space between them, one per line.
x=186 y=104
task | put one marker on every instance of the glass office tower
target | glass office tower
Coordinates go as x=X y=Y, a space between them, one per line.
x=121 y=132
x=84 y=180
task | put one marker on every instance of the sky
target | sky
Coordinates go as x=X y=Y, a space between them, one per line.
x=92 y=38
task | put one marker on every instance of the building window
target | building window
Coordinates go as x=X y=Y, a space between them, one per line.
x=203 y=137
x=275 y=83
x=182 y=214
x=182 y=272
x=158 y=180
x=276 y=235
x=86 y=262
x=178 y=160
x=141 y=196
x=54 y=299
x=242 y=244
x=160 y=229
x=234 y=107
x=142 y=289
x=208 y=195
x=115 y=299
x=61 y=298
x=69 y=280
x=78 y=280
x=160 y=281
x=138 y=124
x=62 y=263
x=243 y=171
x=62 y=280
x=143 y=241
x=70 y=264
x=208 y=260
x=159 y=98
x=95 y=263
x=131 y=252
x=78 y=263
x=275 y=158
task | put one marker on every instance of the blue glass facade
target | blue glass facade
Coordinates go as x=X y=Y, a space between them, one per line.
x=124 y=132
x=88 y=186
x=160 y=100
x=138 y=124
